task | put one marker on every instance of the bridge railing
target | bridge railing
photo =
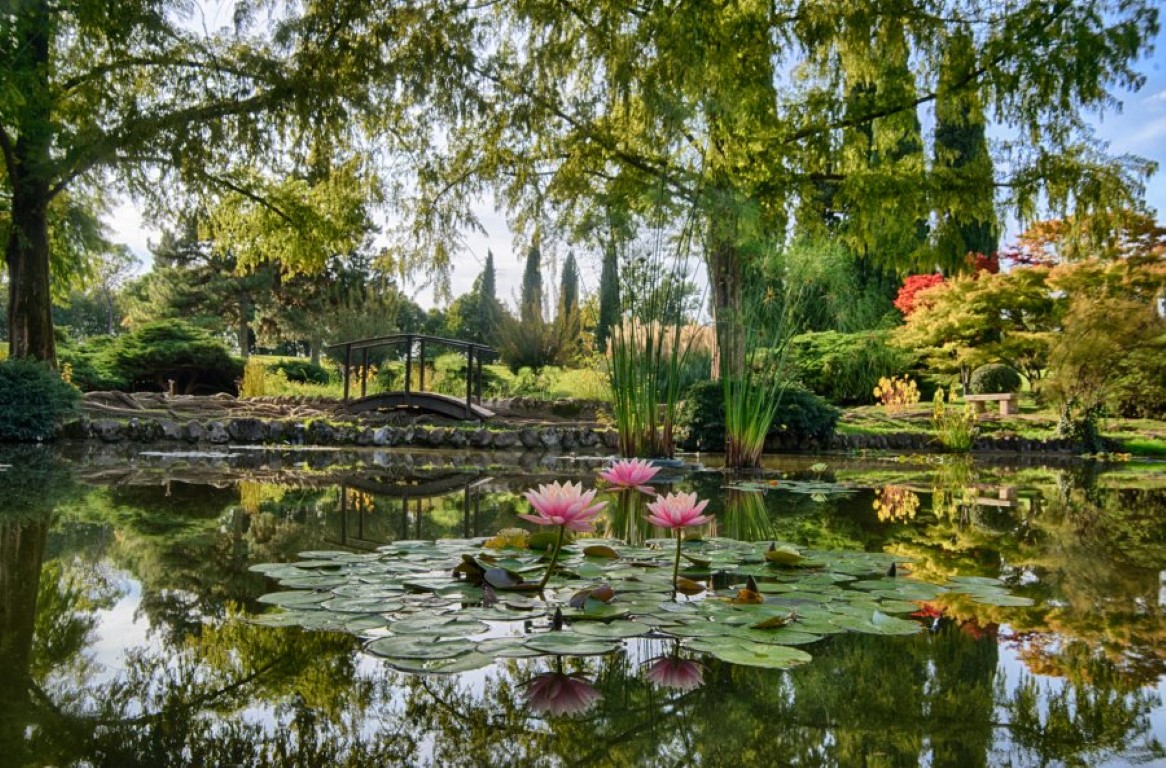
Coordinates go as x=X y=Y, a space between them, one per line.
x=475 y=353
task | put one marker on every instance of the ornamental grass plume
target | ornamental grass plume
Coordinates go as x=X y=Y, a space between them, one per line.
x=566 y=505
x=677 y=511
x=631 y=474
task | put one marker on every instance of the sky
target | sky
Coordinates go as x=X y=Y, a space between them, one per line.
x=1138 y=128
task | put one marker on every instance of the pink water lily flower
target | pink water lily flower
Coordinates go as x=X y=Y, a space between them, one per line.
x=681 y=674
x=631 y=473
x=677 y=510
x=564 y=504
x=556 y=693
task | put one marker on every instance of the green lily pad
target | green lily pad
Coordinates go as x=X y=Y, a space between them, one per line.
x=409 y=647
x=615 y=630
x=1002 y=600
x=465 y=663
x=765 y=656
x=569 y=644
x=294 y=598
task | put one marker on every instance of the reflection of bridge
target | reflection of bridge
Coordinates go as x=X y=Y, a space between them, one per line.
x=353 y=520
x=429 y=402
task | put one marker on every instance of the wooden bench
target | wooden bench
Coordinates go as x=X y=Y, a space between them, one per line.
x=1009 y=402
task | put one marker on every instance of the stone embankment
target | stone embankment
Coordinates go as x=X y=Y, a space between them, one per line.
x=254 y=431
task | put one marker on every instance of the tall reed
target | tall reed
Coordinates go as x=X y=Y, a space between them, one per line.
x=753 y=395
x=647 y=359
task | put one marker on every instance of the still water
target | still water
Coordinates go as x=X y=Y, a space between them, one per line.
x=125 y=587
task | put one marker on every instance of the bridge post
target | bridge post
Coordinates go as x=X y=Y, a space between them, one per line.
x=421 y=373
x=408 y=364
x=478 y=384
x=347 y=368
x=469 y=380
x=364 y=372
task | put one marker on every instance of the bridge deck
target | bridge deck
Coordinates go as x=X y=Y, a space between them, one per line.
x=428 y=402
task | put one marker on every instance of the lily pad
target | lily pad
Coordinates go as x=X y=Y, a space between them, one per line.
x=569 y=644
x=765 y=656
x=614 y=630
x=409 y=647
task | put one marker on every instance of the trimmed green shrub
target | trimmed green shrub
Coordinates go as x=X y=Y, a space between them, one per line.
x=846 y=367
x=994 y=379
x=34 y=401
x=802 y=419
x=92 y=363
x=151 y=355
x=302 y=371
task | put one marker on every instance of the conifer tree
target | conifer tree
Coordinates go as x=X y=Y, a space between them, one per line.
x=608 y=297
x=531 y=298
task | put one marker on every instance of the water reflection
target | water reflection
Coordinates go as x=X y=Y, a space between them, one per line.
x=120 y=642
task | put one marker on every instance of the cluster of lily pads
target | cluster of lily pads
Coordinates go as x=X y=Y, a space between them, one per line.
x=461 y=604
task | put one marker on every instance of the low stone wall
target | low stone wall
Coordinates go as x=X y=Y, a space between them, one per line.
x=251 y=431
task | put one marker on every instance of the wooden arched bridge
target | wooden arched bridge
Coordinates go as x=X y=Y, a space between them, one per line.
x=357 y=352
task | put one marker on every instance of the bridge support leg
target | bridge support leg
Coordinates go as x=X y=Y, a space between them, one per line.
x=347 y=368
x=469 y=381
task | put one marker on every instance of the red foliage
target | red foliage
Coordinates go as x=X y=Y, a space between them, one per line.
x=906 y=301
x=981 y=263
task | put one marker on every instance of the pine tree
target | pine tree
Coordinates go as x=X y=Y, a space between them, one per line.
x=608 y=297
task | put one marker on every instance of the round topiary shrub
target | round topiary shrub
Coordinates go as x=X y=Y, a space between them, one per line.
x=802 y=418
x=33 y=401
x=994 y=379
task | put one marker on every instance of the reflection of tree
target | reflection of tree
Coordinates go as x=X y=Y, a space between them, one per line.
x=1088 y=555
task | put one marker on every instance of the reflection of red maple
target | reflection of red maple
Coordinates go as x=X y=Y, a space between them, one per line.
x=907 y=301
x=973 y=629
x=928 y=611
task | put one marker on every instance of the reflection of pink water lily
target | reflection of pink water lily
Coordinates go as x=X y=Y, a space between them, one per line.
x=681 y=674
x=677 y=510
x=556 y=693
x=564 y=504
x=631 y=473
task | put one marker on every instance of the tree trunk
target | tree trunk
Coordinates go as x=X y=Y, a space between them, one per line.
x=29 y=164
x=243 y=330
x=315 y=345
x=30 y=306
x=724 y=268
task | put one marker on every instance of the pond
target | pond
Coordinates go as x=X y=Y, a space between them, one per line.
x=132 y=630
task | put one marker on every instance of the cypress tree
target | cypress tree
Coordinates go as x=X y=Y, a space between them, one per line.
x=608 y=297
x=531 y=298
x=489 y=312
x=569 y=289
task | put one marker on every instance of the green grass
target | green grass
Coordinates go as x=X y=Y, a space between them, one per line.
x=1144 y=446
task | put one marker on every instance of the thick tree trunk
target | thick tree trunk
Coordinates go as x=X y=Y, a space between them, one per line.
x=28 y=162
x=315 y=344
x=30 y=306
x=724 y=268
